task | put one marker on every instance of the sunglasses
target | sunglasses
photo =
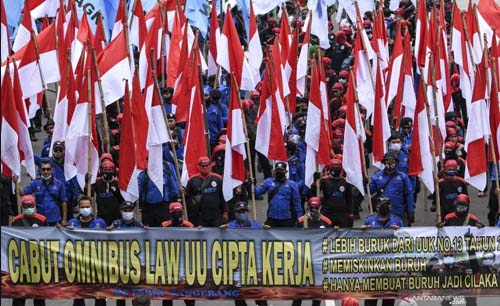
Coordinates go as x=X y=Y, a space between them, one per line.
x=46 y=169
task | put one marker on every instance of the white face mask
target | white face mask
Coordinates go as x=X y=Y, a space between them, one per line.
x=86 y=211
x=127 y=215
x=395 y=147
x=46 y=177
x=29 y=211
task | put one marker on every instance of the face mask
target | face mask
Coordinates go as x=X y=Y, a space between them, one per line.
x=451 y=155
x=107 y=176
x=448 y=260
x=241 y=217
x=461 y=209
x=280 y=176
x=335 y=172
x=177 y=218
x=29 y=211
x=451 y=172
x=46 y=177
x=85 y=211
x=384 y=211
x=395 y=147
x=128 y=215
x=342 y=81
x=314 y=213
x=390 y=166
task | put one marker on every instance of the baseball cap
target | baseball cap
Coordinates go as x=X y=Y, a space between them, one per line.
x=127 y=204
x=28 y=200
x=280 y=165
x=241 y=206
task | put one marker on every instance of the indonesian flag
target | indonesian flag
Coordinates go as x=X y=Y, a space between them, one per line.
x=152 y=42
x=269 y=136
x=380 y=121
x=461 y=56
x=325 y=101
x=83 y=37
x=234 y=161
x=25 y=28
x=254 y=47
x=303 y=61
x=119 y=20
x=353 y=137
x=364 y=81
x=380 y=39
x=179 y=37
x=420 y=34
x=11 y=160
x=100 y=37
x=133 y=152
x=82 y=133
x=291 y=72
x=137 y=29
x=494 y=99
x=316 y=138
x=114 y=68
x=194 y=138
x=281 y=79
x=184 y=84
x=230 y=54
x=395 y=75
x=408 y=95
x=4 y=35
x=29 y=73
x=157 y=131
x=421 y=158
x=474 y=35
x=214 y=37
x=42 y=8
x=284 y=39
x=477 y=133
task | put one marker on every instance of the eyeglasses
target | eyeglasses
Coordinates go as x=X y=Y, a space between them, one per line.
x=46 y=169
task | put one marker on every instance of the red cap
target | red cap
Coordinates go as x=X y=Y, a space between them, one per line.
x=338 y=86
x=107 y=164
x=449 y=145
x=28 y=200
x=314 y=202
x=450 y=132
x=106 y=156
x=451 y=124
x=326 y=60
x=218 y=148
x=462 y=198
x=338 y=123
x=203 y=160
x=451 y=163
x=175 y=206
x=342 y=110
x=344 y=74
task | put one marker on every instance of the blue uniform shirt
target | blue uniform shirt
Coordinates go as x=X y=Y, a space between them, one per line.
x=296 y=172
x=121 y=224
x=95 y=223
x=248 y=224
x=284 y=200
x=215 y=123
x=149 y=193
x=48 y=197
x=374 y=221
x=398 y=190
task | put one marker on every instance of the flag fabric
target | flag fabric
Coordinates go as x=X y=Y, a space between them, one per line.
x=11 y=159
x=42 y=8
x=254 y=47
x=408 y=96
x=421 y=159
x=316 y=137
x=4 y=34
x=214 y=37
x=291 y=72
x=197 y=12
x=100 y=41
x=477 y=133
x=29 y=73
x=319 y=22
x=26 y=27
x=137 y=27
x=151 y=42
x=230 y=54
x=302 y=62
x=114 y=68
x=176 y=54
x=234 y=160
x=118 y=26
x=81 y=139
x=194 y=137
x=380 y=121
x=394 y=76
x=420 y=34
x=269 y=136
x=476 y=41
x=83 y=37
x=364 y=81
x=353 y=137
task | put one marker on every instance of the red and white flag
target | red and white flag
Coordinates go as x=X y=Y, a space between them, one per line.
x=254 y=47
x=380 y=40
x=234 y=160
x=42 y=8
x=443 y=61
x=316 y=137
x=302 y=62
x=354 y=136
x=100 y=41
x=291 y=72
x=364 y=79
x=380 y=121
x=137 y=28
x=81 y=138
x=4 y=34
x=230 y=54
x=83 y=37
x=271 y=120
x=11 y=159
x=281 y=79
x=176 y=54
x=420 y=34
x=194 y=138
x=421 y=159
x=114 y=68
x=474 y=35
x=152 y=41
x=214 y=37
x=395 y=75
x=408 y=96
x=477 y=133
x=25 y=28
x=119 y=20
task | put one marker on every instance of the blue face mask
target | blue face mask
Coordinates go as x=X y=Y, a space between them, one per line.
x=241 y=217
x=451 y=172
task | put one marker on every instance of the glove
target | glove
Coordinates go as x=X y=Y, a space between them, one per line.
x=317 y=176
x=411 y=218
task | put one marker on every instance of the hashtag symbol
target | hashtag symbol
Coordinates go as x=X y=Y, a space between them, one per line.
x=325 y=284
x=325 y=265
x=324 y=245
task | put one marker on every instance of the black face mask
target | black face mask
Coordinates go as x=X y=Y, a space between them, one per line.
x=451 y=155
x=107 y=176
x=280 y=176
x=461 y=209
x=177 y=218
x=384 y=210
x=219 y=160
x=335 y=172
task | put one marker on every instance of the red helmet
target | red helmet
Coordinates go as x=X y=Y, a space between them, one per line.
x=338 y=124
x=338 y=86
x=106 y=156
x=204 y=160
x=451 y=132
x=344 y=74
x=335 y=162
x=342 y=110
x=108 y=165
x=451 y=164
x=338 y=133
x=326 y=60
x=462 y=198
x=119 y=117
x=314 y=202
x=451 y=124
x=28 y=200
x=449 y=145
x=217 y=149
x=247 y=104
x=175 y=206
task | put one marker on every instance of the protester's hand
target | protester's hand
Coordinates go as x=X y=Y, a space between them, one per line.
x=479 y=225
x=63 y=223
x=497 y=191
x=394 y=226
x=223 y=226
x=109 y=228
x=88 y=177
x=266 y=227
x=183 y=191
x=317 y=175
x=411 y=218
x=225 y=218
x=146 y=227
x=440 y=224
x=70 y=227
x=15 y=178
x=251 y=181
x=364 y=227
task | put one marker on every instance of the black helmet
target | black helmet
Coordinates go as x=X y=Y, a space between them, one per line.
x=390 y=155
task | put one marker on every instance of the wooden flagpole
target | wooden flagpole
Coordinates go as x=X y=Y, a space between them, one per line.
x=105 y=131
x=89 y=144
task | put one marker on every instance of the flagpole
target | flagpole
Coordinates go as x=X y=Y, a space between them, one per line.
x=247 y=146
x=434 y=94
x=89 y=144
x=171 y=143
x=103 y=104
x=433 y=151
x=362 y=148
x=44 y=86
x=488 y=90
